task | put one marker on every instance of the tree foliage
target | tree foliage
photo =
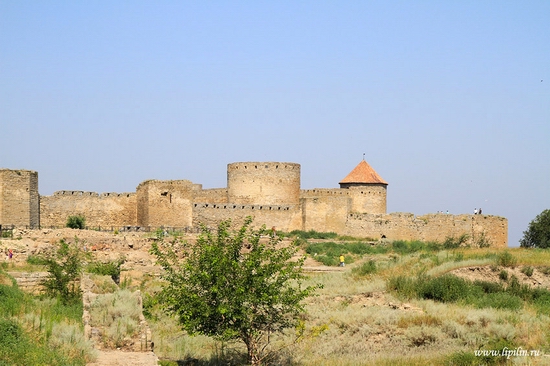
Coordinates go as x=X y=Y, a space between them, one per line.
x=537 y=234
x=64 y=265
x=233 y=285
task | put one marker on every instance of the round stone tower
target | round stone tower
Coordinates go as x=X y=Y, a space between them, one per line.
x=265 y=183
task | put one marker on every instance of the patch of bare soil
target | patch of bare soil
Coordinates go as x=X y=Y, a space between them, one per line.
x=492 y=274
x=121 y=358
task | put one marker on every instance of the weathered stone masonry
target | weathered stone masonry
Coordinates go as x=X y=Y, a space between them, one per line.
x=268 y=191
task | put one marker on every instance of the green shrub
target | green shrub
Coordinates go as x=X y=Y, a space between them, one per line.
x=545 y=270
x=498 y=300
x=76 y=222
x=482 y=241
x=452 y=242
x=403 y=285
x=407 y=247
x=6 y=233
x=11 y=299
x=462 y=359
x=541 y=300
x=503 y=275
x=400 y=246
x=516 y=288
x=64 y=266
x=447 y=288
x=506 y=259
x=527 y=270
x=110 y=268
x=365 y=269
x=329 y=249
x=36 y=260
x=328 y=260
x=489 y=287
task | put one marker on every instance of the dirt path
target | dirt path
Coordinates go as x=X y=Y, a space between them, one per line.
x=121 y=358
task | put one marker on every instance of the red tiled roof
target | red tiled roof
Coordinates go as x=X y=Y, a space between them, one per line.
x=363 y=173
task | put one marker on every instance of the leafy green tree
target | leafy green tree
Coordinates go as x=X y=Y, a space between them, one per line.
x=64 y=265
x=537 y=234
x=233 y=285
x=76 y=222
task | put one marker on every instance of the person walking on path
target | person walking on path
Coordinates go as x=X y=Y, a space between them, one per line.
x=342 y=262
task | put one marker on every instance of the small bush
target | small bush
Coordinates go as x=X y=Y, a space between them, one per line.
x=76 y=222
x=64 y=266
x=462 y=359
x=452 y=243
x=111 y=268
x=35 y=260
x=503 y=275
x=365 y=269
x=327 y=260
x=10 y=300
x=541 y=300
x=489 y=287
x=482 y=241
x=447 y=288
x=527 y=270
x=545 y=270
x=499 y=300
x=506 y=259
x=403 y=285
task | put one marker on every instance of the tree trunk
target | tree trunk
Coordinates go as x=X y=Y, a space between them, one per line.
x=252 y=347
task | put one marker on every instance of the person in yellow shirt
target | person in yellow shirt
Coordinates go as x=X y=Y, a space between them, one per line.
x=342 y=263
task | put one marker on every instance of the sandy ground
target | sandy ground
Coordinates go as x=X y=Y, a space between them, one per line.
x=120 y=358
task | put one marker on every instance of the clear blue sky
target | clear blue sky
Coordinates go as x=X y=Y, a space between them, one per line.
x=449 y=100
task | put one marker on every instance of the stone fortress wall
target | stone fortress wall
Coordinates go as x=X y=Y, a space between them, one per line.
x=100 y=210
x=268 y=191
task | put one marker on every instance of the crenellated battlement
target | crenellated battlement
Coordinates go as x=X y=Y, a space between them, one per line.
x=241 y=207
x=266 y=166
x=92 y=194
x=324 y=192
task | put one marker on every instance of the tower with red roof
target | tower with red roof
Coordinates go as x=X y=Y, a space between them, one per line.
x=367 y=189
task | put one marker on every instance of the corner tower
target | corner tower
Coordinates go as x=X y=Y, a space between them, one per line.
x=367 y=189
x=19 y=199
